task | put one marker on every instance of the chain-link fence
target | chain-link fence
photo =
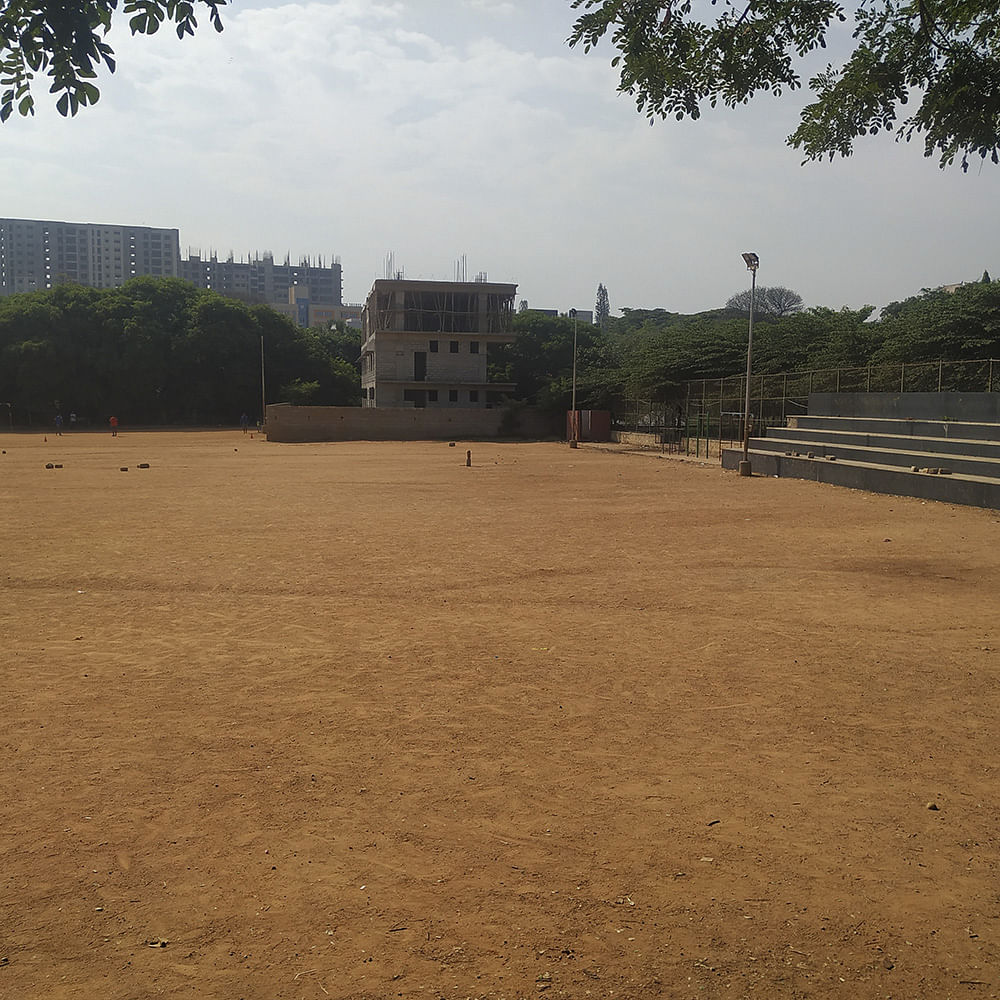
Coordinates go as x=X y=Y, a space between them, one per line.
x=702 y=416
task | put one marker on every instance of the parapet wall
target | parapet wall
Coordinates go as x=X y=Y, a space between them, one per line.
x=973 y=407
x=372 y=423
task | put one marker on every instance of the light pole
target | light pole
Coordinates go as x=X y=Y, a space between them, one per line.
x=574 y=433
x=263 y=393
x=752 y=262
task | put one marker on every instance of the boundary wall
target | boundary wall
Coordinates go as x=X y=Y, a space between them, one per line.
x=296 y=424
x=981 y=407
x=638 y=439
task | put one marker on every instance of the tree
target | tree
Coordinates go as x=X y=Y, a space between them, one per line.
x=160 y=350
x=935 y=325
x=945 y=54
x=65 y=41
x=602 y=310
x=986 y=279
x=769 y=301
x=540 y=361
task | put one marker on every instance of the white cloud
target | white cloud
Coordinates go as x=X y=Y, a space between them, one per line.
x=437 y=129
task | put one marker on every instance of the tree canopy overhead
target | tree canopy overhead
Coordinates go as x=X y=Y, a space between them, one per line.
x=65 y=41
x=944 y=55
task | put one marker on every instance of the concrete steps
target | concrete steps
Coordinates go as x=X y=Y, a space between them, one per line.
x=970 y=491
x=914 y=455
x=879 y=453
x=984 y=447
x=908 y=428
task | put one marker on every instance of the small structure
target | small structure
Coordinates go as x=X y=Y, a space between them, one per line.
x=427 y=343
x=591 y=425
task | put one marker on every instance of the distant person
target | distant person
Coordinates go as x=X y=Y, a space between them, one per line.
x=244 y=423
x=113 y=421
x=59 y=423
x=72 y=420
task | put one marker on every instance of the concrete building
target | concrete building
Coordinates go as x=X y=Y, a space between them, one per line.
x=302 y=309
x=259 y=279
x=426 y=343
x=37 y=254
x=583 y=315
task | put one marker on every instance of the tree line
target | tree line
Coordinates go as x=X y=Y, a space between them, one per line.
x=651 y=353
x=161 y=351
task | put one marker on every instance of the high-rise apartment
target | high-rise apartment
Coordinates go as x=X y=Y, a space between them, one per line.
x=37 y=254
x=259 y=279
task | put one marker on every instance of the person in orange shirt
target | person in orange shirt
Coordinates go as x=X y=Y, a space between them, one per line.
x=114 y=426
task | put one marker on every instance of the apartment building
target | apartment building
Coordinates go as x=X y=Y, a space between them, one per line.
x=259 y=279
x=427 y=343
x=37 y=254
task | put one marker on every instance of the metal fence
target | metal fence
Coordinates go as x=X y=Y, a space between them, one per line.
x=699 y=417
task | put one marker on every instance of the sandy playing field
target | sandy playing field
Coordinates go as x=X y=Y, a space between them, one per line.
x=355 y=721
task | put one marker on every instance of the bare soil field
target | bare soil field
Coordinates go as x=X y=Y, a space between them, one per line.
x=356 y=721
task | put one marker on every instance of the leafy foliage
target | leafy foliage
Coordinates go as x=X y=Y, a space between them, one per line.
x=772 y=300
x=940 y=325
x=540 y=361
x=158 y=351
x=946 y=53
x=602 y=308
x=65 y=41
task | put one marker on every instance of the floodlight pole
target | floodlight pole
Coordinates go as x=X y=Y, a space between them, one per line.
x=263 y=395
x=752 y=263
x=574 y=430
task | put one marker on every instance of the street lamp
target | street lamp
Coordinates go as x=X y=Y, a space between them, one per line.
x=574 y=430
x=752 y=263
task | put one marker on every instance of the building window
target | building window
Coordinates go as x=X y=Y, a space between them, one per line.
x=473 y=395
x=453 y=346
x=432 y=395
x=453 y=395
x=473 y=346
x=434 y=347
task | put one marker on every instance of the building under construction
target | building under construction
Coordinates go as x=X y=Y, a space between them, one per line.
x=427 y=343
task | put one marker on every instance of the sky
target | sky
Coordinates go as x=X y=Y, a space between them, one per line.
x=441 y=129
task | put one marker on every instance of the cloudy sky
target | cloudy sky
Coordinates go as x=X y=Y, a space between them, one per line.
x=441 y=128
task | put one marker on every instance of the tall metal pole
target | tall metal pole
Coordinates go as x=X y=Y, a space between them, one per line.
x=574 y=430
x=574 y=363
x=752 y=263
x=263 y=395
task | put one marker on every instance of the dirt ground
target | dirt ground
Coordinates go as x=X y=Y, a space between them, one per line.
x=356 y=721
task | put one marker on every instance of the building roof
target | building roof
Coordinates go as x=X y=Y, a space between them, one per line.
x=416 y=284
